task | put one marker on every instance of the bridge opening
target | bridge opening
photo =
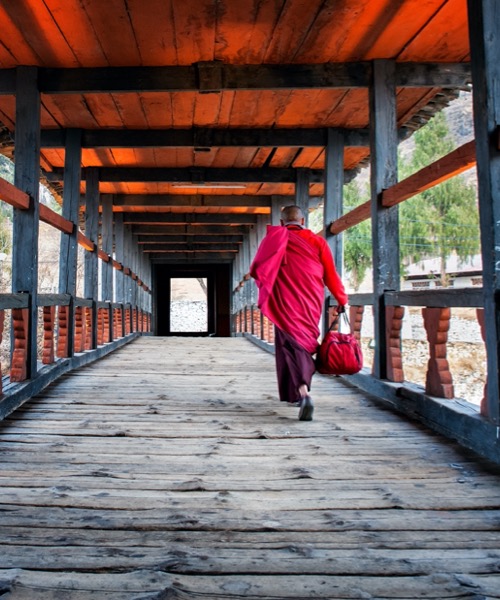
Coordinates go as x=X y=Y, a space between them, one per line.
x=192 y=300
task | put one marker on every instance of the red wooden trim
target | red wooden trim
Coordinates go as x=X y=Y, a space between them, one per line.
x=126 y=270
x=63 y=330
x=47 y=215
x=85 y=242
x=452 y=164
x=133 y=275
x=12 y=195
x=394 y=325
x=116 y=265
x=103 y=256
x=49 y=313
x=439 y=381
x=19 y=361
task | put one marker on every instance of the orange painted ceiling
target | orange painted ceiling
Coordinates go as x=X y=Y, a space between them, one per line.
x=156 y=33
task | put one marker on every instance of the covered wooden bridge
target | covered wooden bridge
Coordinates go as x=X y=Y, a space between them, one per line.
x=172 y=133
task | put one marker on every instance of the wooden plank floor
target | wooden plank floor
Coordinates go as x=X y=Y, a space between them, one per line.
x=170 y=470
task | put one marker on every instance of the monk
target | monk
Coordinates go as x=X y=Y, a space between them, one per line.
x=291 y=268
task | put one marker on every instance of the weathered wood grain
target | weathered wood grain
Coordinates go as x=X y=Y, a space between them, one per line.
x=170 y=469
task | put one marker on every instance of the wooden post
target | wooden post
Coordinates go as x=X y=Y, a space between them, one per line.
x=334 y=200
x=385 y=234
x=91 y=259
x=107 y=267
x=302 y=192
x=68 y=258
x=119 y=275
x=25 y=222
x=484 y=25
x=276 y=204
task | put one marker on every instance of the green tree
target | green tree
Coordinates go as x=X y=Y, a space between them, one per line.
x=358 y=239
x=444 y=219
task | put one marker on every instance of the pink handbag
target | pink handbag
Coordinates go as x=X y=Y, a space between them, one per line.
x=339 y=353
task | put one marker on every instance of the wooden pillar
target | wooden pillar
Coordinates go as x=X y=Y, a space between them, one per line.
x=302 y=192
x=119 y=246
x=385 y=234
x=25 y=222
x=68 y=258
x=253 y=245
x=107 y=246
x=276 y=204
x=484 y=25
x=91 y=259
x=334 y=200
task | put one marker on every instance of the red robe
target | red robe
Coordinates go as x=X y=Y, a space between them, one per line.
x=291 y=268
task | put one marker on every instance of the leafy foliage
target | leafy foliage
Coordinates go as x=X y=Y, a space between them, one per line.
x=358 y=239
x=444 y=219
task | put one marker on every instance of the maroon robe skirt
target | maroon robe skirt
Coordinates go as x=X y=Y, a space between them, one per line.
x=294 y=366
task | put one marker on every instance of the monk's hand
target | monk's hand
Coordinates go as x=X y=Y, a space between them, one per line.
x=340 y=309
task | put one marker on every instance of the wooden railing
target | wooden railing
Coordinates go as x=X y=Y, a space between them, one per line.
x=65 y=322
x=436 y=307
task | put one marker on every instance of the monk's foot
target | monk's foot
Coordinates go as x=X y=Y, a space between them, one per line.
x=306 y=409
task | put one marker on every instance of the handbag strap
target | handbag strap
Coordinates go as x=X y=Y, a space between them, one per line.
x=336 y=320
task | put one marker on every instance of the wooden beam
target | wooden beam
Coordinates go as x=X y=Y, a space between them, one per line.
x=204 y=138
x=188 y=219
x=85 y=242
x=448 y=166
x=12 y=195
x=199 y=248
x=199 y=239
x=216 y=76
x=352 y=218
x=236 y=201
x=207 y=229
x=49 y=216
x=194 y=257
x=192 y=176
x=452 y=164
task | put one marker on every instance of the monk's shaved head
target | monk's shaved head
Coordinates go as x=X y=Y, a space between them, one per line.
x=292 y=213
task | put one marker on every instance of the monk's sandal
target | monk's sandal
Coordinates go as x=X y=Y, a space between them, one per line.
x=306 y=409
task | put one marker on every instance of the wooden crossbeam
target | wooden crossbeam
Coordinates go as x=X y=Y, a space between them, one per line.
x=85 y=242
x=448 y=166
x=185 y=239
x=192 y=176
x=191 y=247
x=47 y=215
x=12 y=195
x=192 y=229
x=203 y=138
x=452 y=164
x=216 y=77
x=190 y=200
x=188 y=219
